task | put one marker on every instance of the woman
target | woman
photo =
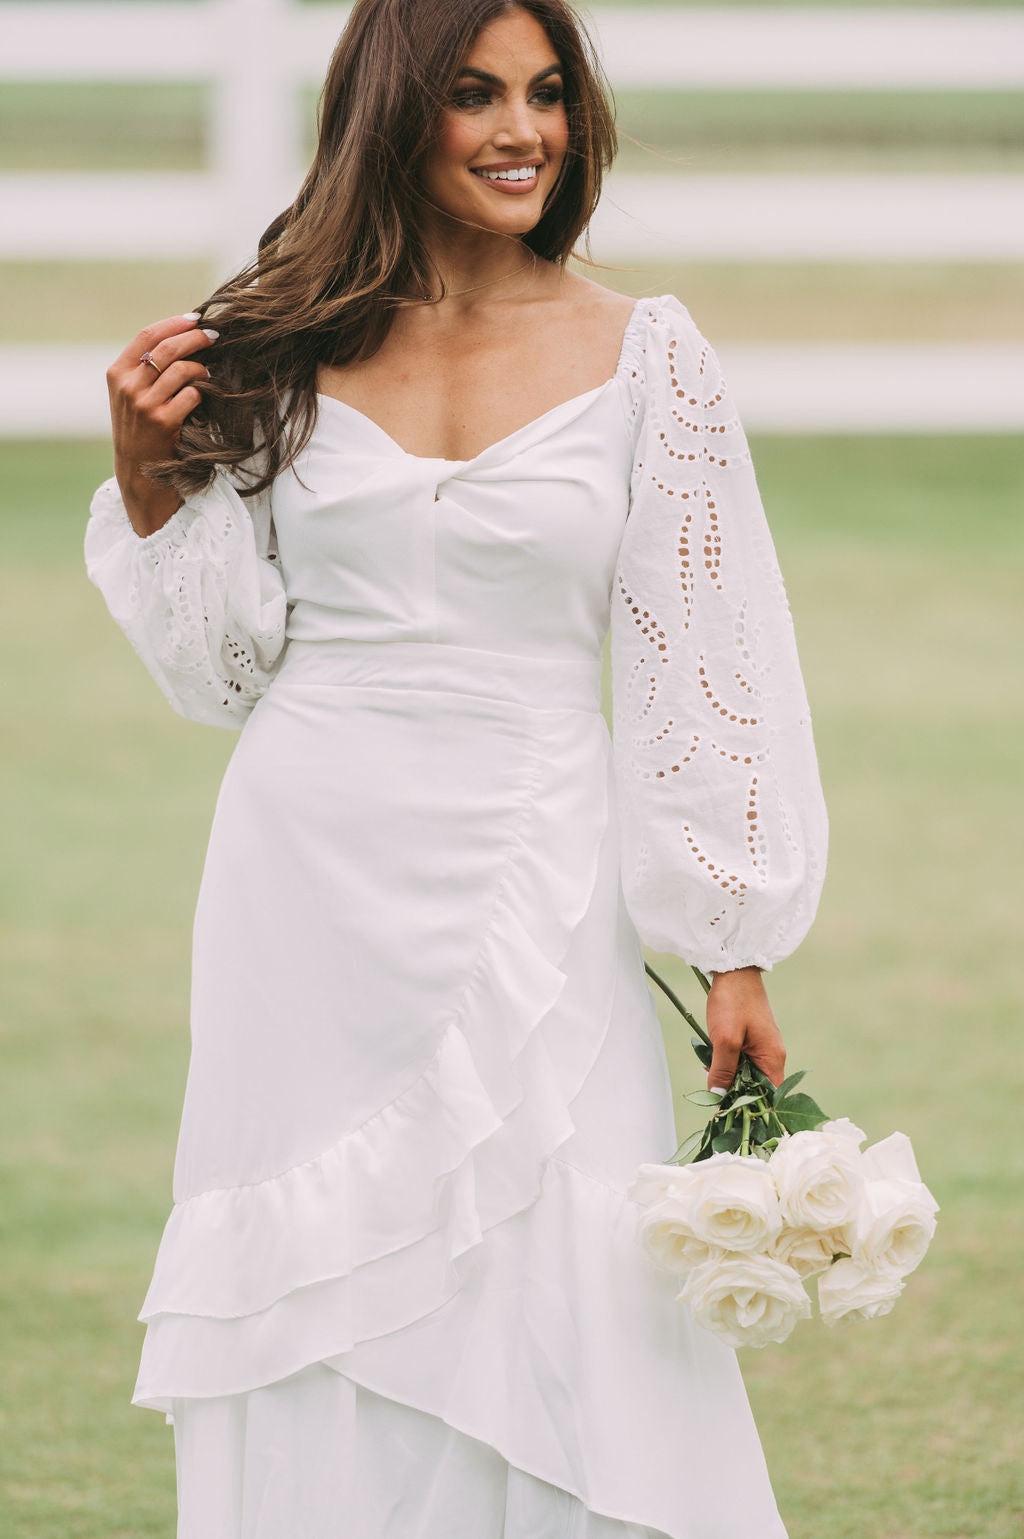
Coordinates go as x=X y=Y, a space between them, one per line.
x=387 y=529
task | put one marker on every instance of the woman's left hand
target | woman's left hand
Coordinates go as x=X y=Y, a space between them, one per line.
x=740 y=1020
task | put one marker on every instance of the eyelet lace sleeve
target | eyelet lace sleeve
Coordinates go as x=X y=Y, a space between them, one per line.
x=201 y=600
x=724 y=827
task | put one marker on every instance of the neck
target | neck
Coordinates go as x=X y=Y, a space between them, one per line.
x=471 y=261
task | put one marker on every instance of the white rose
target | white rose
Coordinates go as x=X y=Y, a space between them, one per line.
x=843 y=1128
x=736 y=1206
x=849 y=1291
x=891 y=1159
x=653 y=1183
x=809 y=1251
x=819 y=1179
x=894 y=1227
x=666 y=1233
x=747 y=1301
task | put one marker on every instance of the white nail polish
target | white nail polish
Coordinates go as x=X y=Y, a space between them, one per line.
x=716 y=1090
x=192 y=315
x=209 y=332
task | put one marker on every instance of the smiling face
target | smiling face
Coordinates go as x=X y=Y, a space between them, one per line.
x=504 y=132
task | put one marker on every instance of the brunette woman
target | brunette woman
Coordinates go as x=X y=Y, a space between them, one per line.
x=377 y=503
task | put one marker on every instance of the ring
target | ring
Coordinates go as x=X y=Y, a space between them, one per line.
x=148 y=358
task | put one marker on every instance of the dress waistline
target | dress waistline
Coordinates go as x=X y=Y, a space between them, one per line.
x=544 y=683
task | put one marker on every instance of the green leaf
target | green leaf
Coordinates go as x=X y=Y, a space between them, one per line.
x=799 y=1113
x=702 y=1051
x=790 y=1084
x=687 y=1144
x=703 y=1098
x=756 y=1075
x=744 y=1100
x=728 y=1142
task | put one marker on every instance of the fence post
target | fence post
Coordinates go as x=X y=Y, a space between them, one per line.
x=256 y=139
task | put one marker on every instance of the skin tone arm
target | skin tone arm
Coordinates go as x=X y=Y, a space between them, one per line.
x=740 y=1020
x=147 y=410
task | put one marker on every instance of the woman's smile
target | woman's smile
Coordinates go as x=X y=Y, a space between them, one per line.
x=508 y=176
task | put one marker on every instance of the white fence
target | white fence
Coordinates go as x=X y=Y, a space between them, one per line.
x=256 y=54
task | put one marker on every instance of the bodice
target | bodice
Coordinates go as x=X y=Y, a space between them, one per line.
x=512 y=551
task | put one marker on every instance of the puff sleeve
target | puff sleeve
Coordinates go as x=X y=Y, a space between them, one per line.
x=723 y=822
x=202 y=600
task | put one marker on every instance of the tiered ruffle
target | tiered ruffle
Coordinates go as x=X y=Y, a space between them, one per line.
x=253 y=1282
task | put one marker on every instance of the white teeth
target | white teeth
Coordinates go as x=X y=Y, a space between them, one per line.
x=517 y=174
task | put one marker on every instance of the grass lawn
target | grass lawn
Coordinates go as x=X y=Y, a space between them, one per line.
x=902 y=560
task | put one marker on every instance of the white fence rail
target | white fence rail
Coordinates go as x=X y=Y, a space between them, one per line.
x=256 y=55
x=700 y=47
x=805 y=387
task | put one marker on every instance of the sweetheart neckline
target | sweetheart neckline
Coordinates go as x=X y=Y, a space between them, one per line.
x=437 y=459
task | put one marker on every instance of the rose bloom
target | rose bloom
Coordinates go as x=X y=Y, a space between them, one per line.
x=727 y=1202
x=653 y=1183
x=849 y=1291
x=809 y=1251
x=819 y=1179
x=891 y=1159
x=666 y=1233
x=747 y=1301
x=895 y=1225
x=665 y=1230
x=736 y=1206
x=842 y=1128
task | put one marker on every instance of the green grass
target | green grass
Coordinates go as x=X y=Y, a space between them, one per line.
x=820 y=130
x=104 y=125
x=905 y=1000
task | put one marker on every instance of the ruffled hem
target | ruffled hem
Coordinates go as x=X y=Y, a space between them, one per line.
x=567 y=1353
x=371 y=1233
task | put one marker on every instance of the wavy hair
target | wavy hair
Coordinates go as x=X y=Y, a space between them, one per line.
x=334 y=266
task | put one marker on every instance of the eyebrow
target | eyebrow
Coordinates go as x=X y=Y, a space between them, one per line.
x=496 y=80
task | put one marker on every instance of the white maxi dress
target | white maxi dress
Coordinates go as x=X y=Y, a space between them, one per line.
x=400 y=1294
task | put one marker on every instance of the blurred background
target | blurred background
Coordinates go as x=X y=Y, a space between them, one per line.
x=837 y=194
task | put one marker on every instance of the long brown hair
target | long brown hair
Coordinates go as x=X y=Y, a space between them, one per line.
x=332 y=268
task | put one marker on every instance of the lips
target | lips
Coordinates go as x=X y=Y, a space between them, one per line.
x=509 y=175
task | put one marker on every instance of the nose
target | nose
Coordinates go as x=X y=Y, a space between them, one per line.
x=518 y=127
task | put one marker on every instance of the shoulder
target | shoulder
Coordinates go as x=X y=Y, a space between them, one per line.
x=668 y=328
x=671 y=357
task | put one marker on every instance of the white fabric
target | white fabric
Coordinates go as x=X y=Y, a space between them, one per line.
x=425 y=1059
x=320 y=1455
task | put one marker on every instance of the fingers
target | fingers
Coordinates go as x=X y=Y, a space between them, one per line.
x=740 y=1020
x=725 y=1057
x=149 y=402
x=171 y=350
x=170 y=381
x=153 y=336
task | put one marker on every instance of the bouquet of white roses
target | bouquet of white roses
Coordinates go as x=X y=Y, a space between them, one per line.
x=770 y=1193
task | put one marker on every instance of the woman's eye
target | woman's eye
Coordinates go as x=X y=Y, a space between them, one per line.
x=549 y=95
x=470 y=99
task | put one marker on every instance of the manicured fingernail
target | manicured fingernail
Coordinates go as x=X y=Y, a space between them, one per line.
x=191 y=315
x=716 y=1090
x=209 y=332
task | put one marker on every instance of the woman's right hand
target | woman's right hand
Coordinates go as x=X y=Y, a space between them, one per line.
x=147 y=410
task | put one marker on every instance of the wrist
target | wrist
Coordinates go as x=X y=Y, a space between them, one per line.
x=741 y=975
x=148 y=506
